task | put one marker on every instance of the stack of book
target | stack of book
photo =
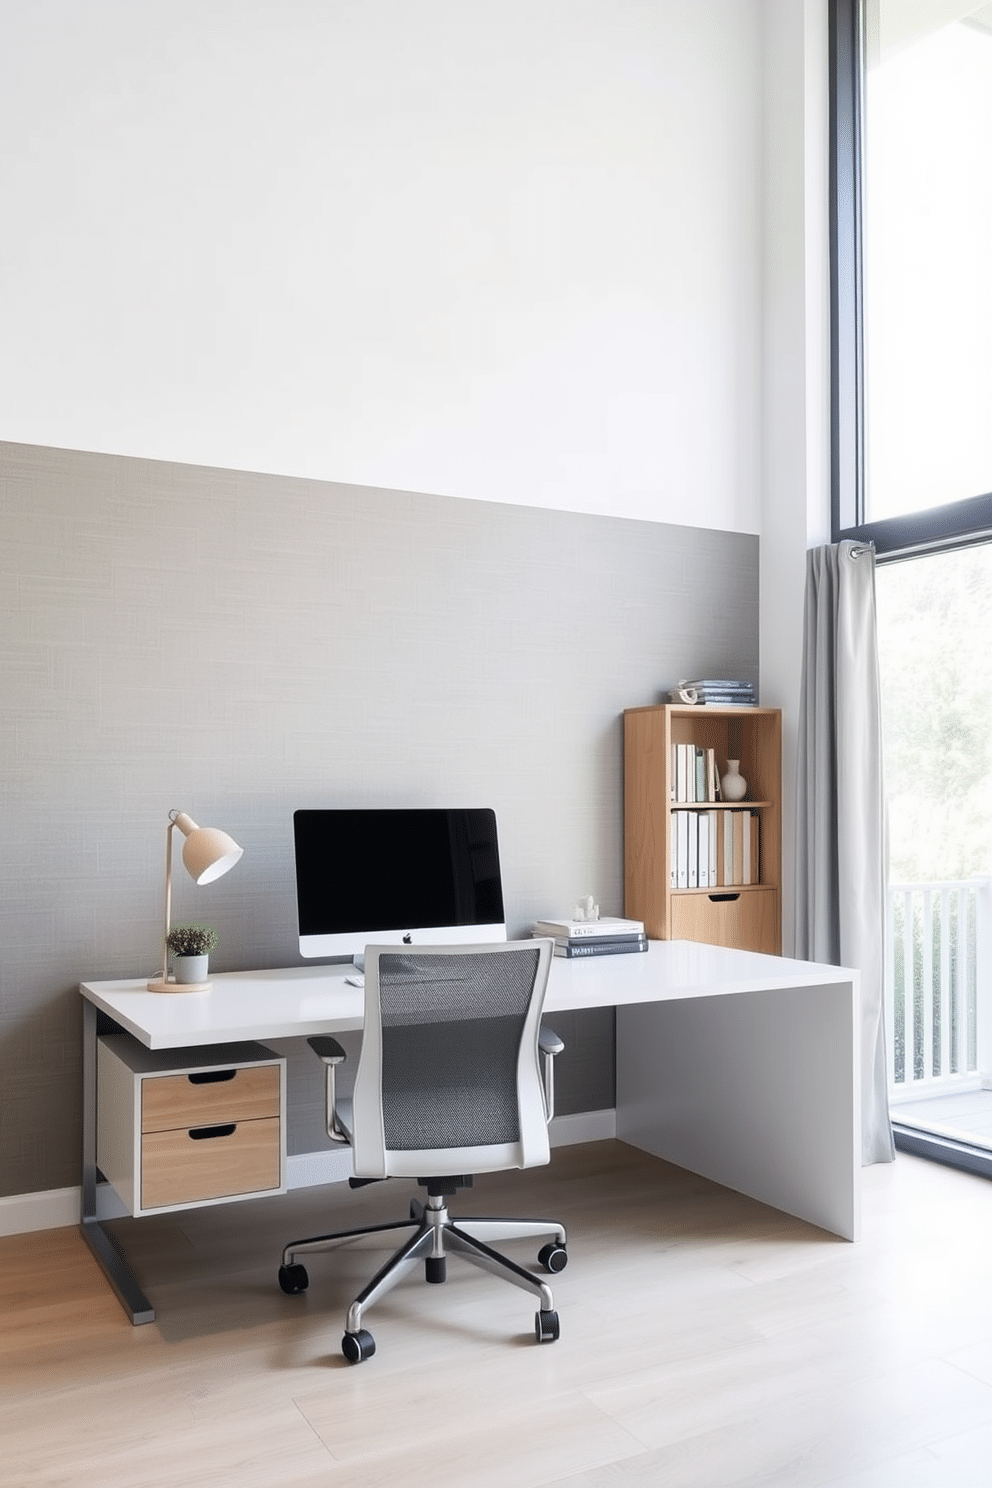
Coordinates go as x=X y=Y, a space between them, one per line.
x=609 y=936
x=714 y=849
x=722 y=692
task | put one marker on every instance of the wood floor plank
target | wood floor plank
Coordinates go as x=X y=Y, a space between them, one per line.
x=706 y=1340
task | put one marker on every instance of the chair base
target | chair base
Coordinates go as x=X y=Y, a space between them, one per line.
x=431 y=1236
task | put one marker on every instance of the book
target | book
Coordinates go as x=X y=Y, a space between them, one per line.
x=599 y=940
x=725 y=849
x=574 y=949
x=738 y=831
x=721 y=686
x=609 y=926
x=681 y=772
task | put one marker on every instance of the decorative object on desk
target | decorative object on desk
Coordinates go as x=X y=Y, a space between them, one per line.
x=733 y=786
x=721 y=692
x=191 y=946
x=586 y=909
x=207 y=854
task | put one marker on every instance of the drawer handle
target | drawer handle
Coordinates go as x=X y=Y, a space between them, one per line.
x=211 y=1077
x=207 y=1133
x=723 y=898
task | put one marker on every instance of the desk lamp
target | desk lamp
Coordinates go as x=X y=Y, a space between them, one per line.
x=207 y=854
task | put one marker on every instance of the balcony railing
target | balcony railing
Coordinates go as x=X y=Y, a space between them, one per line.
x=938 y=987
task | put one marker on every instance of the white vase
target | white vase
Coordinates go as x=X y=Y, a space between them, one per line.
x=190 y=969
x=733 y=786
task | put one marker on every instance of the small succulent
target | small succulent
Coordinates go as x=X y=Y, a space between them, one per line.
x=191 y=940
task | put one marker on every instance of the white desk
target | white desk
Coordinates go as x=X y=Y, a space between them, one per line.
x=738 y=1066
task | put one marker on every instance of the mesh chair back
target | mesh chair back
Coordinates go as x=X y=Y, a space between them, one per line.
x=450 y=1052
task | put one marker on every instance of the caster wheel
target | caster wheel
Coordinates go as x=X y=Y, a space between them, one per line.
x=293 y=1280
x=435 y=1269
x=553 y=1257
x=358 y=1346
x=546 y=1326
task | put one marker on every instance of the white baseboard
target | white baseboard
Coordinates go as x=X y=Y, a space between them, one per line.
x=585 y=1126
x=53 y=1209
x=57 y=1208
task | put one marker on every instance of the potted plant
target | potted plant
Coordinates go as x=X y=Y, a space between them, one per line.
x=191 y=946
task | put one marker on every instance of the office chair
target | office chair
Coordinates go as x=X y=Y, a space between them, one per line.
x=449 y=1084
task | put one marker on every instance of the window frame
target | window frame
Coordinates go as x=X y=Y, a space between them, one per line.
x=958 y=523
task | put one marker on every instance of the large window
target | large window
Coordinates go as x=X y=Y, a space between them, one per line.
x=911 y=176
x=912 y=290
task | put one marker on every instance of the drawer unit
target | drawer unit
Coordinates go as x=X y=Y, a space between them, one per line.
x=181 y=1127
x=745 y=918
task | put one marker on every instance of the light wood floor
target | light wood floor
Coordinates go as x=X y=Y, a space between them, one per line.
x=706 y=1341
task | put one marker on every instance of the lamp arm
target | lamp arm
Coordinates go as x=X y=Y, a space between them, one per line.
x=168 y=897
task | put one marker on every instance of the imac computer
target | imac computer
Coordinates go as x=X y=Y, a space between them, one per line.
x=396 y=877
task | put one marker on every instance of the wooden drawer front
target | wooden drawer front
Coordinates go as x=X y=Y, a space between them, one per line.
x=748 y=921
x=243 y=1094
x=183 y=1167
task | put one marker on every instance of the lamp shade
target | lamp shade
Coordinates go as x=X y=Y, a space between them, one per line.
x=207 y=852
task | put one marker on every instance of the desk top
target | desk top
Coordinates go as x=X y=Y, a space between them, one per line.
x=292 y=1002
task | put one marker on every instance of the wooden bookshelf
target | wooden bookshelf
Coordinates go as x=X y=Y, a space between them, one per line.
x=748 y=916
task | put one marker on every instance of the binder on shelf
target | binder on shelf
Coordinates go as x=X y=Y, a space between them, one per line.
x=711 y=833
x=682 y=855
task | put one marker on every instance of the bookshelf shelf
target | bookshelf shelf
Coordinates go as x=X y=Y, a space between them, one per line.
x=746 y=915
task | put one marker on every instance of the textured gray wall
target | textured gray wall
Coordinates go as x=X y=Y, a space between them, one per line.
x=237 y=645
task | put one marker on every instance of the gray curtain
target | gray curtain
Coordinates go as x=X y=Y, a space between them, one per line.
x=840 y=813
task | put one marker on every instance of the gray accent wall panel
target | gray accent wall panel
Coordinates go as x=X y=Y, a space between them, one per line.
x=238 y=645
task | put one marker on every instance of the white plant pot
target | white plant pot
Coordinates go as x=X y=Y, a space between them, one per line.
x=190 y=968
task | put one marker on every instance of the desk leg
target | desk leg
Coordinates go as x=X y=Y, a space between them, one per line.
x=110 y=1259
x=759 y=1091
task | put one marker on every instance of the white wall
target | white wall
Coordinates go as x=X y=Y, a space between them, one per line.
x=796 y=363
x=503 y=249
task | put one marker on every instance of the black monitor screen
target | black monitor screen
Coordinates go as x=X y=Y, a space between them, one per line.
x=396 y=875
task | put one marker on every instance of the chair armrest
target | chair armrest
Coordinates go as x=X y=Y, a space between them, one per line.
x=549 y=1044
x=326 y=1048
x=331 y=1054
